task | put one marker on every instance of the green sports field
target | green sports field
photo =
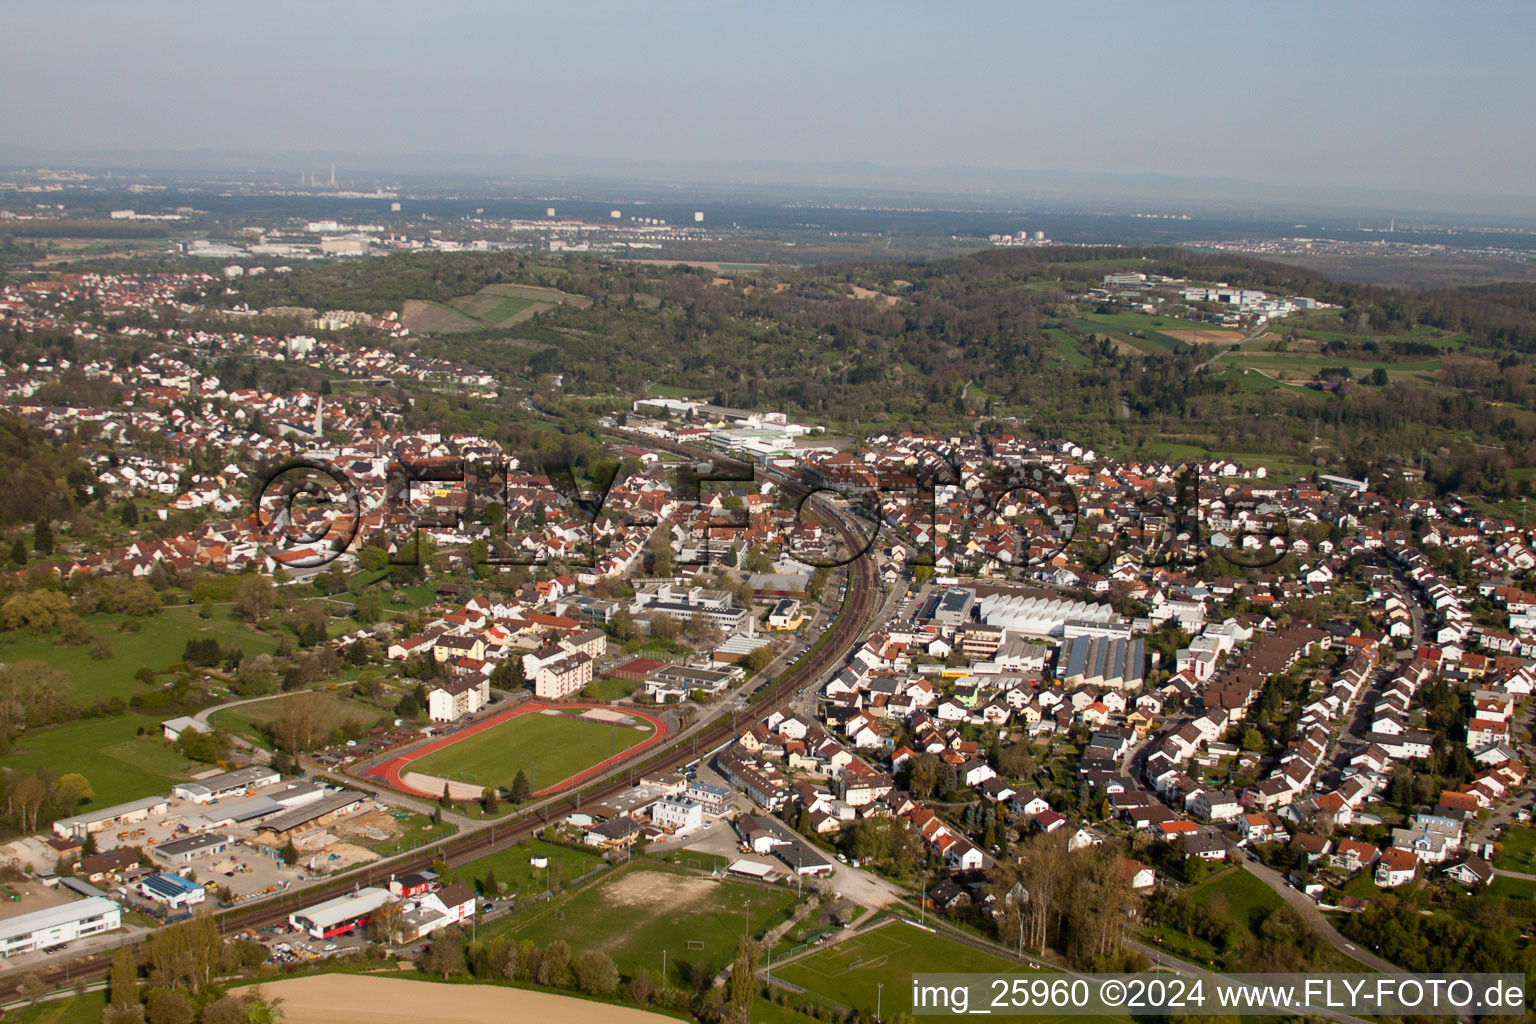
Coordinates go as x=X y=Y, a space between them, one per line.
x=637 y=914
x=850 y=972
x=549 y=748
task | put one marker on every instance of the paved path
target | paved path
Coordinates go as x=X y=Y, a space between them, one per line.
x=1187 y=970
x=1163 y=960
x=260 y=755
x=1313 y=915
x=1257 y=331
x=202 y=716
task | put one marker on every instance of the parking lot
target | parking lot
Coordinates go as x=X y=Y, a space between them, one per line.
x=286 y=945
x=246 y=872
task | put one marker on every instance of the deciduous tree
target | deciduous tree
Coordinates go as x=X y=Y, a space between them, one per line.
x=595 y=973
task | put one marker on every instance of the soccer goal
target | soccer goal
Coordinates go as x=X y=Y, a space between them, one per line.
x=695 y=944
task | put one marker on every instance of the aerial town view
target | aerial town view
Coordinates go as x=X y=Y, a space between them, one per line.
x=505 y=516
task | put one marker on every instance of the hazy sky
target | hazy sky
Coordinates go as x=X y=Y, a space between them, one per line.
x=1398 y=95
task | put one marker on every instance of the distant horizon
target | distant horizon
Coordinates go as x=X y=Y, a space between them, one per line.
x=1407 y=99
x=983 y=186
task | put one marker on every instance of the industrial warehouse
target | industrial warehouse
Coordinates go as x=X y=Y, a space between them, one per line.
x=54 y=926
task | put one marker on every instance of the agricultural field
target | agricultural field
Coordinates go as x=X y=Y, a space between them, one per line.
x=1149 y=341
x=516 y=876
x=157 y=642
x=640 y=913
x=850 y=972
x=1299 y=363
x=492 y=307
x=549 y=748
x=1293 y=351
x=120 y=764
x=1155 y=335
x=426 y=317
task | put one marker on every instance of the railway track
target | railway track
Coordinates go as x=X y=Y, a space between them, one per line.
x=860 y=601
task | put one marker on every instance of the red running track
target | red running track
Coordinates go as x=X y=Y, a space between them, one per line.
x=391 y=770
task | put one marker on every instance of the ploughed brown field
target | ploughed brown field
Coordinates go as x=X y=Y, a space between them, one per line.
x=327 y=998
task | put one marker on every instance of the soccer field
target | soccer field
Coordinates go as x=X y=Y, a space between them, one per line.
x=647 y=915
x=550 y=748
x=851 y=971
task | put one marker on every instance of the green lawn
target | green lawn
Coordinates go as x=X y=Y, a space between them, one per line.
x=1147 y=340
x=72 y=1009
x=1363 y=886
x=850 y=972
x=1128 y=320
x=639 y=914
x=1238 y=896
x=418 y=830
x=1517 y=850
x=549 y=748
x=765 y=1012
x=253 y=720
x=515 y=875
x=417 y=595
x=1066 y=347
x=504 y=309
x=120 y=765
x=610 y=689
x=158 y=643
x=696 y=859
x=1191 y=947
x=1512 y=888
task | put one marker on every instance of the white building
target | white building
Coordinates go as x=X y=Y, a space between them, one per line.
x=464 y=695
x=562 y=676
x=172 y=890
x=55 y=926
x=240 y=782
x=82 y=825
x=1033 y=614
x=677 y=813
x=343 y=913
